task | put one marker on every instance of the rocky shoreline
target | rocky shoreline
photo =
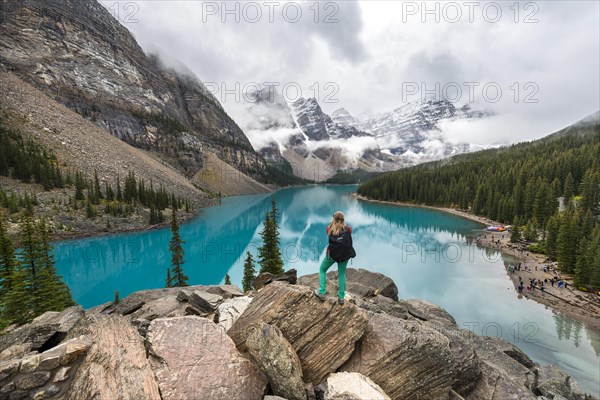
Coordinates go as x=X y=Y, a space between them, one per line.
x=571 y=302
x=215 y=342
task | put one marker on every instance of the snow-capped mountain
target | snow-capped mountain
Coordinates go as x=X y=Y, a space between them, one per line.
x=317 y=125
x=318 y=145
x=414 y=130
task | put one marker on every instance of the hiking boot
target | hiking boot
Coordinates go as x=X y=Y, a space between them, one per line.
x=341 y=302
x=319 y=295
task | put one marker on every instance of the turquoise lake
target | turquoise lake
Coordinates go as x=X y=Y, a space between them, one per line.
x=429 y=255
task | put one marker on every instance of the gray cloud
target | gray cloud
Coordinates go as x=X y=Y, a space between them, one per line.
x=371 y=53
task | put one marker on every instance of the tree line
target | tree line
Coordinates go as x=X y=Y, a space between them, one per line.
x=29 y=283
x=29 y=162
x=520 y=185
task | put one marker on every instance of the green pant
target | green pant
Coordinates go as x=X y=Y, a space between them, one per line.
x=328 y=262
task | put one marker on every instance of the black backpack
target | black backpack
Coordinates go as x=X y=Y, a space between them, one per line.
x=340 y=246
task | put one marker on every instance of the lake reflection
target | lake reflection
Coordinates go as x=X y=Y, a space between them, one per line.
x=428 y=254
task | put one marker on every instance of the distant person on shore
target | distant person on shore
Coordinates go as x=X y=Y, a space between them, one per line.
x=339 y=251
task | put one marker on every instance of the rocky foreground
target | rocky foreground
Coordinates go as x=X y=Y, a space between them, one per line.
x=215 y=342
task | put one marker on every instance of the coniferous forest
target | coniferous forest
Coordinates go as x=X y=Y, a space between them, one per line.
x=548 y=190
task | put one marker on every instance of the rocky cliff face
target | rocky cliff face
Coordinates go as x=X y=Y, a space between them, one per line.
x=78 y=53
x=215 y=342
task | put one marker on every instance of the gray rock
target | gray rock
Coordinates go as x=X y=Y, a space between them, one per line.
x=231 y=309
x=8 y=368
x=9 y=387
x=15 y=351
x=323 y=334
x=62 y=374
x=74 y=349
x=360 y=282
x=19 y=395
x=225 y=291
x=49 y=361
x=44 y=332
x=427 y=311
x=265 y=278
x=408 y=359
x=496 y=385
x=204 y=301
x=554 y=383
x=31 y=381
x=193 y=358
x=351 y=386
x=30 y=364
x=466 y=367
x=115 y=366
x=278 y=361
x=46 y=392
x=505 y=358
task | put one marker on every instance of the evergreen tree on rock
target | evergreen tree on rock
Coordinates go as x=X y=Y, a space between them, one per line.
x=269 y=255
x=177 y=254
x=249 y=273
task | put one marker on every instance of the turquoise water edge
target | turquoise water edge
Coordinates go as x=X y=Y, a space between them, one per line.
x=429 y=254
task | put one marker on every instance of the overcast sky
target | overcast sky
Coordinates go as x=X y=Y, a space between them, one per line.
x=373 y=56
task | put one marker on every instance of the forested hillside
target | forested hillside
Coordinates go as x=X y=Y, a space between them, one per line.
x=521 y=185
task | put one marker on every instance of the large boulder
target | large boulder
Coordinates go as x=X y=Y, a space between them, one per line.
x=44 y=332
x=231 y=309
x=193 y=358
x=408 y=359
x=427 y=311
x=265 y=278
x=553 y=382
x=351 y=386
x=278 y=360
x=323 y=334
x=505 y=358
x=116 y=366
x=496 y=385
x=360 y=282
x=466 y=366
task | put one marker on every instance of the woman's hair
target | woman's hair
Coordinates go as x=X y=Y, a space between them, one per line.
x=337 y=224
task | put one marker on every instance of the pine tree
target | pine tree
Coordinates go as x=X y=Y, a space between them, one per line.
x=249 y=273
x=583 y=264
x=7 y=259
x=177 y=254
x=55 y=294
x=90 y=210
x=569 y=188
x=566 y=243
x=79 y=186
x=515 y=231
x=552 y=229
x=97 y=192
x=227 y=279
x=16 y=303
x=269 y=255
x=169 y=280
x=119 y=192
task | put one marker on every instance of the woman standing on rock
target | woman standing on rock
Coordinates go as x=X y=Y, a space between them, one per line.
x=339 y=251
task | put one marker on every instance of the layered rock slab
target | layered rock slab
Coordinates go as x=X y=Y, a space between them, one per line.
x=116 y=366
x=323 y=334
x=193 y=358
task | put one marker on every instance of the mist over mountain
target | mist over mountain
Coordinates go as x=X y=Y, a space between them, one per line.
x=304 y=135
